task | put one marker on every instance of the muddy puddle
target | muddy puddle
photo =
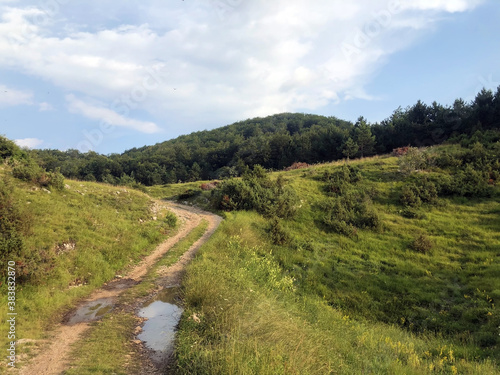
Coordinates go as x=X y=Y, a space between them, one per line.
x=163 y=314
x=91 y=311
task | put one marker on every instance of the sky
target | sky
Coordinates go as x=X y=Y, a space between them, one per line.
x=108 y=76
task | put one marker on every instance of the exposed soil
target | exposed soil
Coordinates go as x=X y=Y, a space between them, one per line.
x=54 y=358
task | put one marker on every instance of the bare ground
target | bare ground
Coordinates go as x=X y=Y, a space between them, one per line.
x=54 y=358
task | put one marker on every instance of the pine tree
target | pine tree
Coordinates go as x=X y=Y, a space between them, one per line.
x=364 y=137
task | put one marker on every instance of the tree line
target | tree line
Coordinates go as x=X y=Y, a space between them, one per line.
x=277 y=141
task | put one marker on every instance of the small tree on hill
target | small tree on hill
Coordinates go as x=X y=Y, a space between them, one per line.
x=364 y=137
x=350 y=148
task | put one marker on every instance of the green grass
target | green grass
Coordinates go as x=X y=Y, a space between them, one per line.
x=256 y=320
x=107 y=347
x=406 y=308
x=108 y=229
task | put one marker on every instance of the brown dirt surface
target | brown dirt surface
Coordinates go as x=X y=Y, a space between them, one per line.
x=54 y=358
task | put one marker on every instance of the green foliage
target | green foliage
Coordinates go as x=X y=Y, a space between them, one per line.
x=258 y=311
x=256 y=191
x=28 y=170
x=422 y=244
x=415 y=193
x=470 y=182
x=364 y=138
x=14 y=225
x=189 y=193
x=339 y=181
x=279 y=235
x=350 y=148
x=413 y=160
x=351 y=211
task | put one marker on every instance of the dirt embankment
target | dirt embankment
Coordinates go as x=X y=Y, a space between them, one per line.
x=53 y=359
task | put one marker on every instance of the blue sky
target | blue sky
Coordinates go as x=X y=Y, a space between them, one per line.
x=109 y=76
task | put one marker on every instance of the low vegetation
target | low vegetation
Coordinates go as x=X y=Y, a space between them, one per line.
x=66 y=243
x=351 y=269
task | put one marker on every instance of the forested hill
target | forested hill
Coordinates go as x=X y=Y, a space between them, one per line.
x=278 y=141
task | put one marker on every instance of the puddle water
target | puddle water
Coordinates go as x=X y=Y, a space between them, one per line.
x=158 y=332
x=91 y=311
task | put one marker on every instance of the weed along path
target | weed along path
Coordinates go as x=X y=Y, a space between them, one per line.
x=54 y=358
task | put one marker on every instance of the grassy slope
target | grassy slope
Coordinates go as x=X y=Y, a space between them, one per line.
x=111 y=229
x=253 y=321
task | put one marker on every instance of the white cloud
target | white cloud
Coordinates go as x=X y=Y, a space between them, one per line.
x=442 y=5
x=11 y=97
x=251 y=58
x=108 y=116
x=44 y=106
x=29 y=142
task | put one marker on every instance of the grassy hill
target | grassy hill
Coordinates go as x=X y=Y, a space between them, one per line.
x=67 y=242
x=389 y=265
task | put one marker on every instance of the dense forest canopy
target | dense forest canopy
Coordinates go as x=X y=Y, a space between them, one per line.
x=278 y=141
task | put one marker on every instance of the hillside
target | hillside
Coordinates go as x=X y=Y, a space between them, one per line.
x=386 y=265
x=66 y=241
x=277 y=141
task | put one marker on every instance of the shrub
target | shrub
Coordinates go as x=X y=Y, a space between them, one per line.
x=340 y=181
x=412 y=213
x=189 y=193
x=255 y=191
x=410 y=197
x=29 y=172
x=400 y=151
x=14 y=224
x=297 y=165
x=448 y=160
x=347 y=213
x=413 y=160
x=422 y=244
x=279 y=235
x=209 y=186
x=468 y=182
x=422 y=191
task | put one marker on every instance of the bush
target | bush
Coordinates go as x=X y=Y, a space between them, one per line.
x=279 y=235
x=255 y=191
x=400 y=151
x=14 y=224
x=410 y=196
x=297 y=165
x=340 y=181
x=422 y=244
x=209 y=186
x=423 y=190
x=189 y=193
x=468 y=182
x=448 y=160
x=413 y=160
x=347 y=213
x=29 y=171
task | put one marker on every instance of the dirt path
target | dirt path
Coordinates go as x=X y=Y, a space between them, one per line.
x=54 y=358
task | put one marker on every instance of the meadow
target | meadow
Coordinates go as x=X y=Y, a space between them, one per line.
x=412 y=294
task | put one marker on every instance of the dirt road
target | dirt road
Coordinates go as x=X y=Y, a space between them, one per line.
x=54 y=358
